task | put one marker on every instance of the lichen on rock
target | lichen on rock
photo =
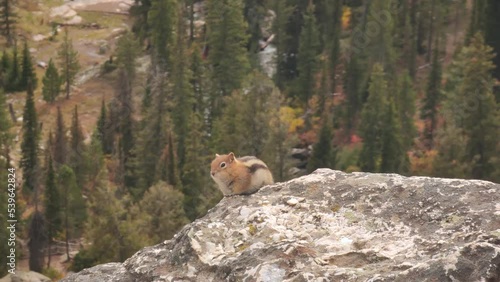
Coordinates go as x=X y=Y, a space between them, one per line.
x=334 y=226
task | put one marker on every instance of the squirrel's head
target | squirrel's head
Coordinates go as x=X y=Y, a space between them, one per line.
x=220 y=164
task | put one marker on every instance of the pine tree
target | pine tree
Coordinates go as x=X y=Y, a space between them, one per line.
x=153 y=138
x=432 y=98
x=5 y=135
x=323 y=155
x=27 y=71
x=332 y=34
x=283 y=13
x=68 y=62
x=37 y=241
x=254 y=12
x=51 y=83
x=126 y=58
x=307 y=64
x=115 y=229
x=29 y=145
x=4 y=69
x=470 y=109
x=8 y=20
x=60 y=149
x=227 y=39
x=405 y=105
x=52 y=207
x=13 y=76
x=164 y=205
x=393 y=150
x=140 y=11
x=73 y=205
x=372 y=121
x=182 y=92
x=78 y=149
x=102 y=131
x=162 y=24
x=193 y=176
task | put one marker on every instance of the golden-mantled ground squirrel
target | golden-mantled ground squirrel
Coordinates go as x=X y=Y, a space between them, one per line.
x=236 y=176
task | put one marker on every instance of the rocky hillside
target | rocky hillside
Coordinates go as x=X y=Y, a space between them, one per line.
x=332 y=226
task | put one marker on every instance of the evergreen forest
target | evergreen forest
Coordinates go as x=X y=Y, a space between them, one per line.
x=108 y=163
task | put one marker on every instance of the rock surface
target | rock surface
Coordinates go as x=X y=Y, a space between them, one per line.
x=25 y=276
x=332 y=226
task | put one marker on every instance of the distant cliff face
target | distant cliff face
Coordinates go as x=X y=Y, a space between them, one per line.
x=332 y=226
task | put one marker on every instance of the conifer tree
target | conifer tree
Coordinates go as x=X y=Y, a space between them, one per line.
x=77 y=148
x=115 y=228
x=193 y=176
x=164 y=206
x=60 y=149
x=307 y=64
x=227 y=39
x=182 y=91
x=12 y=83
x=323 y=155
x=153 y=138
x=432 y=98
x=127 y=54
x=68 y=62
x=140 y=11
x=8 y=20
x=27 y=71
x=332 y=34
x=51 y=83
x=37 y=241
x=161 y=20
x=5 y=135
x=491 y=36
x=283 y=12
x=4 y=69
x=371 y=120
x=405 y=105
x=73 y=205
x=52 y=207
x=392 y=151
x=103 y=131
x=470 y=109
x=29 y=146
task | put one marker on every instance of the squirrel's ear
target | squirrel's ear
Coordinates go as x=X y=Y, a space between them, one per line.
x=217 y=155
x=231 y=156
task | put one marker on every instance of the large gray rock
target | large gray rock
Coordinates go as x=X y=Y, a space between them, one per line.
x=333 y=226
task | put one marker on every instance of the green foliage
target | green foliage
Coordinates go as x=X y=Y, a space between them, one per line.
x=161 y=23
x=432 y=98
x=227 y=39
x=27 y=70
x=307 y=64
x=77 y=149
x=73 y=204
x=283 y=13
x=116 y=229
x=68 y=62
x=8 y=19
x=51 y=83
x=372 y=121
x=52 y=203
x=405 y=105
x=163 y=204
x=37 y=241
x=139 y=11
x=13 y=73
x=60 y=147
x=393 y=155
x=29 y=146
x=471 y=113
x=323 y=155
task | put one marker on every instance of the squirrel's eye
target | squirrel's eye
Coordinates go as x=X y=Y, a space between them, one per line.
x=223 y=164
